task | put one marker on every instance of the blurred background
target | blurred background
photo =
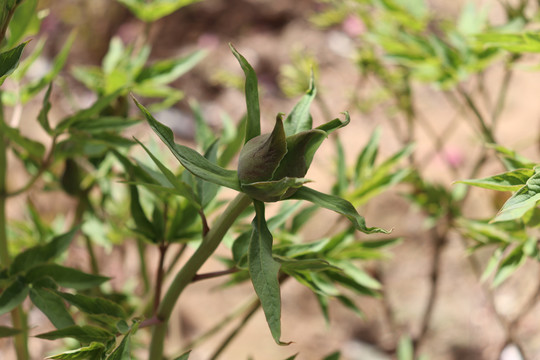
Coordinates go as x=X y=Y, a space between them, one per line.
x=284 y=40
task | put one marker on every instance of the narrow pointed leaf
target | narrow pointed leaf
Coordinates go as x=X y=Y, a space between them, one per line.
x=94 y=351
x=182 y=188
x=264 y=271
x=184 y=356
x=142 y=224
x=43 y=117
x=65 y=276
x=85 y=334
x=335 y=124
x=338 y=205
x=194 y=162
x=166 y=71
x=7 y=331
x=9 y=60
x=34 y=148
x=509 y=265
x=300 y=119
x=12 y=296
x=253 y=125
x=52 y=306
x=367 y=157
x=42 y=253
x=508 y=181
x=122 y=351
x=522 y=201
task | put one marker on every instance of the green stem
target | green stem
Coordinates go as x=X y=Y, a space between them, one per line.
x=17 y=314
x=209 y=244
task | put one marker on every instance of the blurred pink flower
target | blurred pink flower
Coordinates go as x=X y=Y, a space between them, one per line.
x=353 y=26
x=453 y=156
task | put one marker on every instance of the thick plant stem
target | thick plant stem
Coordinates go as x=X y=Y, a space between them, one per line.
x=209 y=244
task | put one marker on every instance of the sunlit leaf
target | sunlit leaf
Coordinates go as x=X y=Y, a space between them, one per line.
x=94 y=351
x=522 y=201
x=9 y=60
x=509 y=265
x=508 y=181
x=253 y=125
x=85 y=334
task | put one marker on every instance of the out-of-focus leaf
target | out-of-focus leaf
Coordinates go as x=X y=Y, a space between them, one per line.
x=333 y=356
x=9 y=60
x=12 y=296
x=25 y=22
x=52 y=306
x=508 y=181
x=253 y=125
x=509 y=265
x=7 y=331
x=43 y=114
x=94 y=351
x=85 y=334
x=264 y=270
x=522 y=201
x=65 y=276
x=184 y=356
x=155 y=10
x=405 y=350
x=42 y=253
x=366 y=159
x=336 y=204
x=94 y=305
x=189 y=158
x=166 y=71
x=33 y=147
x=28 y=92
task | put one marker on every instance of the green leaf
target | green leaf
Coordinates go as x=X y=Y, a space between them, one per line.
x=367 y=157
x=59 y=61
x=335 y=124
x=103 y=123
x=270 y=191
x=184 y=356
x=52 y=306
x=333 y=356
x=253 y=125
x=509 y=265
x=508 y=181
x=8 y=332
x=9 y=60
x=122 y=351
x=166 y=71
x=65 y=276
x=142 y=224
x=405 y=350
x=42 y=253
x=84 y=334
x=522 y=201
x=264 y=271
x=155 y=10
x=291 y=265
x=25 y=22
x=94 y=351
x=181 y=187
x=94 y=305
x=338 y=205
x=33 y=147
x=43 y=114
x=300 y=119
x=189 y=158
x=292 y=357
x=12 y=296
x=204 y=136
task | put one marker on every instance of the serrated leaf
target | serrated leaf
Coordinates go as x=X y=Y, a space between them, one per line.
x=84 y=334
x=94 y=305
x=52 y=306
x=12 y=296
x=65 y=276
x=338 y=205
x=508 y=181
x=253 y=125
x=9 y=60
x=122 y=351
x=7 y=331
x=264 y=270
x=522 y=201
x=300 y=119
x=509 y=265
x=194 y=162
x=94 y=351
x=42 y=253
